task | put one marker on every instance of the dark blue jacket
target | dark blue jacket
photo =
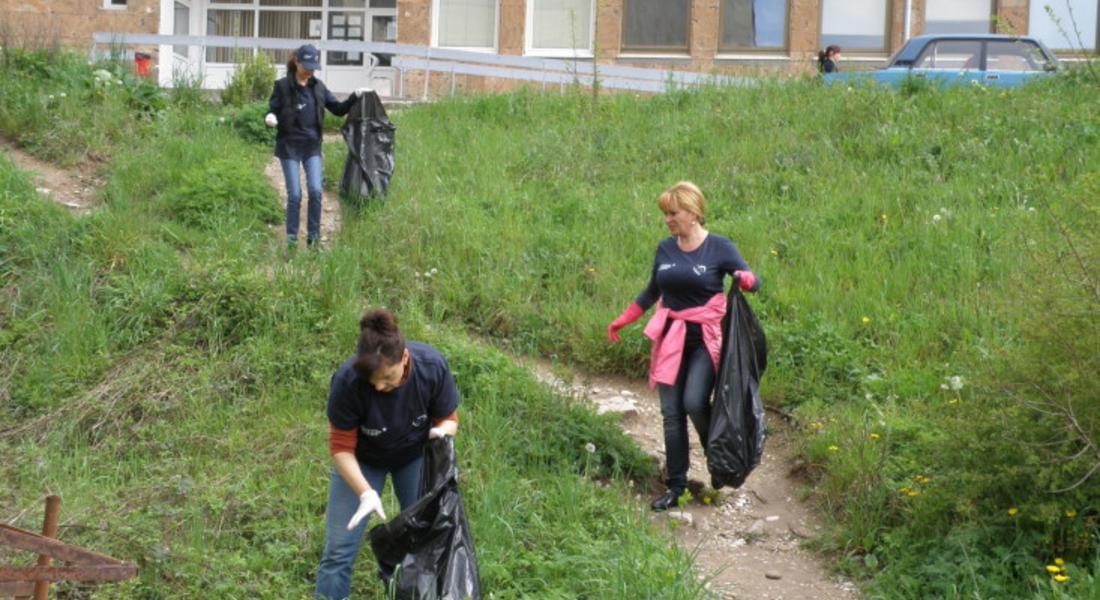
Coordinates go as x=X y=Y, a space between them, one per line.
x=302 y=115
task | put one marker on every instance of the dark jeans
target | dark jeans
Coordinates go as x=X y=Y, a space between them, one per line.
x=690 y=397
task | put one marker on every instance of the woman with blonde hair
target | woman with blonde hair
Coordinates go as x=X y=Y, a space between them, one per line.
x=686 y=284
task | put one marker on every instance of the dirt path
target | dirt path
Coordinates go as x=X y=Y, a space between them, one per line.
x=330 y=204
x=748 y=541
x=74 y=189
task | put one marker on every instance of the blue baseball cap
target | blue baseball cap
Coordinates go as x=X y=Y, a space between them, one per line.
x=309 y=57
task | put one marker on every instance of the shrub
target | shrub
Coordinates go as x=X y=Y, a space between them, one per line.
x=224 y=190
x=248 y=122
x=251 y=81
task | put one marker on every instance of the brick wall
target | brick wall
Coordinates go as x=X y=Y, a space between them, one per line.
x=48 y=23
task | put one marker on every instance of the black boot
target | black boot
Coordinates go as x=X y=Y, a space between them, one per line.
x=667 y=501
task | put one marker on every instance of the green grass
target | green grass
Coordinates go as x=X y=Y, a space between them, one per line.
x=168 y=372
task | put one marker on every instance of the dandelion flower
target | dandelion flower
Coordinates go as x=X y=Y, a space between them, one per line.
x=1071 y=513
x=61 y=95
x=434 y=271
x=775 y=252
x=936 y=218
x=913 y=493
x=706 y=499
x=875 y=436
x=953 y=401
x=1012 y=512
x=1059 y=562
x=866 y=320
x=590 y=448
x=1054 y=569
x=1061 y=578
x=943 y=386
x=956 y=382
x=834 y=448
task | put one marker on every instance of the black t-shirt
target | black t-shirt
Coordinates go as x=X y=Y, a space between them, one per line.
x=688 y=279
x=393 y=426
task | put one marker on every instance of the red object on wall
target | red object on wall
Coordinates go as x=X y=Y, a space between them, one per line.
x=142 y=62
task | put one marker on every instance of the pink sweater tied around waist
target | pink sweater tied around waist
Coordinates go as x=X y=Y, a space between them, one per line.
x=668 y=346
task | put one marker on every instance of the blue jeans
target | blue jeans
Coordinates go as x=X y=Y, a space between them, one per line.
x=689 y=397
x=314 y=170
x=341 y=545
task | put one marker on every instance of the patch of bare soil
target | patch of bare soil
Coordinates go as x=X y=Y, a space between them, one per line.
x=72 y=188
x=748 y=541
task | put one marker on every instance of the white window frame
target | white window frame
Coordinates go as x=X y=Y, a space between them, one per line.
x=887 y=32
x=108 y=6
x=529 y=36
x=487 y=49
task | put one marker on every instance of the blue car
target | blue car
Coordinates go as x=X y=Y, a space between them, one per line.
x=980 y=59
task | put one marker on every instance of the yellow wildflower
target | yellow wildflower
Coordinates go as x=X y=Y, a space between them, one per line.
x=1054 y=569
x=1059 y=562
x=875 y=436
x=866 y=320
x=1012 y=512
x=833 y=448
x=775 y=252
x=1071 y=513
x=1061 y=578
x=913 y=493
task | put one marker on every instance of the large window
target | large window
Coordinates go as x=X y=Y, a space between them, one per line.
x=289 y=25
x=560 y=27
x=230 y=23
x=754 y=24
x=1060 y=30
x=958 y=16
x=656 y=25
x=466 y=23
x=854 y=25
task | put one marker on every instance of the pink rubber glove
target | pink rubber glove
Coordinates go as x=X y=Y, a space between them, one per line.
x=745 y=280
x=629 y=315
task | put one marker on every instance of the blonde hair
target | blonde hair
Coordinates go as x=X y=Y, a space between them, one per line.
x=686 y=196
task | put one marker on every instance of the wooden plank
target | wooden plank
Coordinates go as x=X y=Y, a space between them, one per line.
x=83 y=573
x=26 y=540
x=16 y=588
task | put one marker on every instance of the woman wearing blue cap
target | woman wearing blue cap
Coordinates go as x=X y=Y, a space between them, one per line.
x=297 y=108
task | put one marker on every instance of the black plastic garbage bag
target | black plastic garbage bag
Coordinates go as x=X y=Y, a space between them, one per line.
x=369 y=136
x=735 y=443
x=427 y=552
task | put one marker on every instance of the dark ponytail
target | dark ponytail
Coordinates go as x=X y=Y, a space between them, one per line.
x=292 y=65
x=380 y=342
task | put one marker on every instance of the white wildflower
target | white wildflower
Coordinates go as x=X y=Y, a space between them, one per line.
x=434 y=270
x=956 y=382
x=936 y=218
x=943 y=386
x=590 y=448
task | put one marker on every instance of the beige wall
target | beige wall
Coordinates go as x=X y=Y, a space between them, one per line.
x=49 y=23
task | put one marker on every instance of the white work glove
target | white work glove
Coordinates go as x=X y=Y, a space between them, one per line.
x=437 y=432
x=363 y=91
x=270 y=120
x=368 y=502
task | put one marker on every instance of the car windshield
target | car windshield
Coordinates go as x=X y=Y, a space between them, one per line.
x=906 y=54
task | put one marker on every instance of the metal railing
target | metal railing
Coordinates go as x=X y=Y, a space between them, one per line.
x=406 y=57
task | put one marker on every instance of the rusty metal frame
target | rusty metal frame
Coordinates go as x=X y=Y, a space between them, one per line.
x=85 y=564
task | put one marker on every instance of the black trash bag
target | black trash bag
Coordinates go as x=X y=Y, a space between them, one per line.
x=735 y=443
x=427 y=551
x=368 y=135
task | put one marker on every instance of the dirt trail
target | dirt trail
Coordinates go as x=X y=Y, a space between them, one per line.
x=71 y=188
x=748 y=541
x=330 y=204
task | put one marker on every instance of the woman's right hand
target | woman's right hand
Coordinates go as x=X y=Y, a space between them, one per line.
x=368 y=502
x=629 y=315
x=270 y=120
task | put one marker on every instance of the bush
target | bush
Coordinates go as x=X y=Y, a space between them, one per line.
x=251 y=81
x=248 y=122
x=224 y=190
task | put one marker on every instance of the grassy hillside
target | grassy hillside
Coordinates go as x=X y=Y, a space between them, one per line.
x=929 y=290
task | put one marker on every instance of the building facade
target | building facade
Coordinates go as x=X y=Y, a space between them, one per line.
x=710 y=36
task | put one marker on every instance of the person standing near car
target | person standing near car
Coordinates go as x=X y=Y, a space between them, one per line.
x=297 y=108
x=828 y=60
x=384 y=404
x=686 y=284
